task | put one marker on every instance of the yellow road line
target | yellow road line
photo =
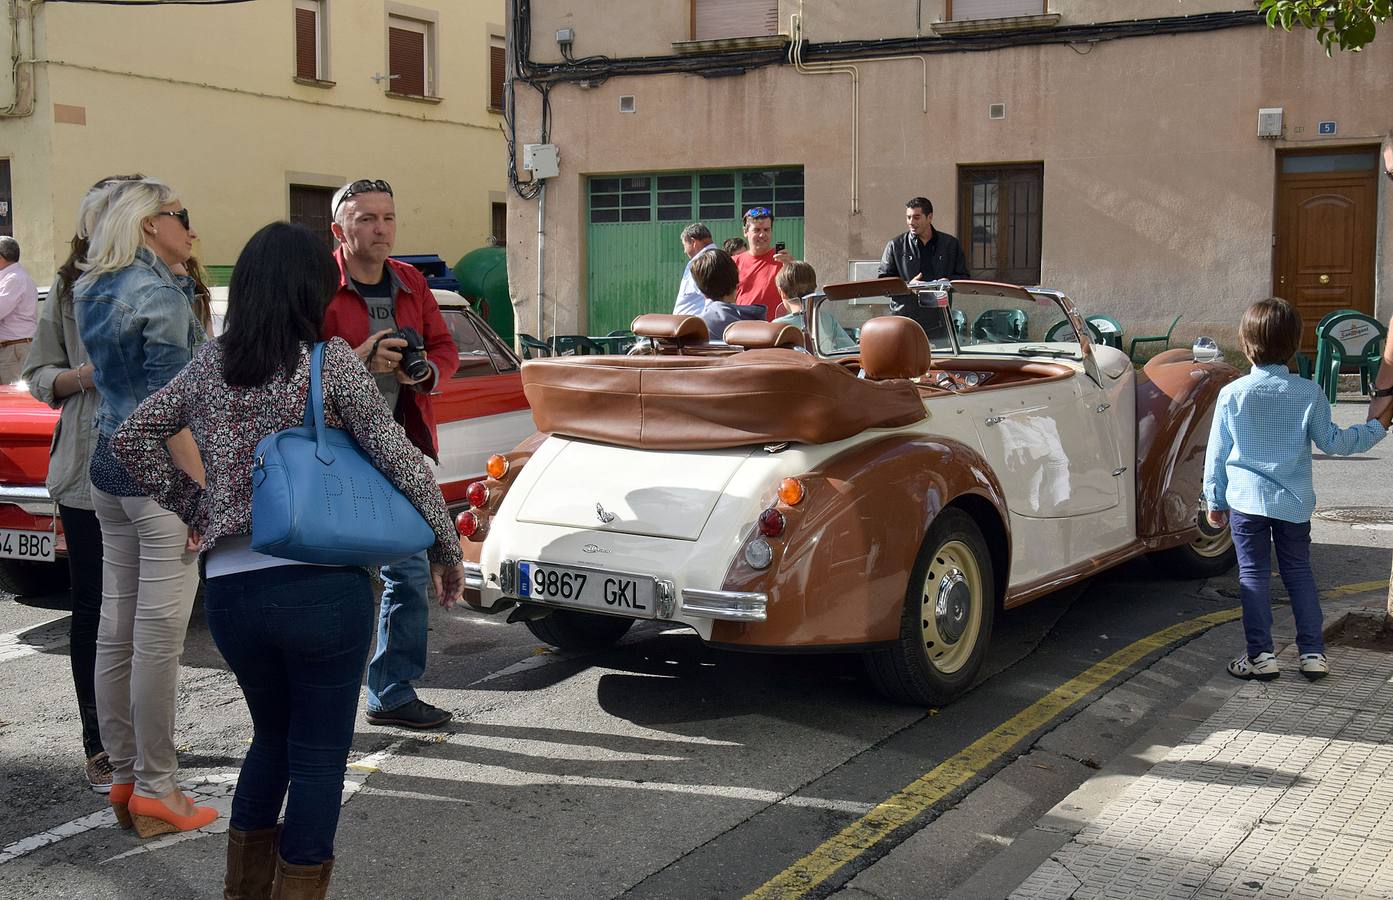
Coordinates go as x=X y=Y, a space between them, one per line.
x=910 y=802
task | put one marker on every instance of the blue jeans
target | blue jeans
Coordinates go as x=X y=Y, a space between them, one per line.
x=401 y=634
x=1253 y=538
x=296 y=637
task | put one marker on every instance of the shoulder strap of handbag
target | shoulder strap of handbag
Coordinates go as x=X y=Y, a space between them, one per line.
x=314 y=406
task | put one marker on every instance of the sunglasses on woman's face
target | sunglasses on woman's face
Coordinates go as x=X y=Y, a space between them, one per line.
x=181 y=214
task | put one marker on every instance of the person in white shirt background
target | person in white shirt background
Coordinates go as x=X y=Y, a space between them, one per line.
x=696 y=239
x=19 y=311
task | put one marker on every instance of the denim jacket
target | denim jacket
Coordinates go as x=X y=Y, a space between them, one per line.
x=140 y=330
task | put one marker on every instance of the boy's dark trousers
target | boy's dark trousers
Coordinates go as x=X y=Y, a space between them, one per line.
x=1253 y=538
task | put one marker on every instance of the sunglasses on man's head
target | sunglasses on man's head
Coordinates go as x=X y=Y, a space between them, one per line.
x=759 y=212
x=365 y=186
x=181 y=214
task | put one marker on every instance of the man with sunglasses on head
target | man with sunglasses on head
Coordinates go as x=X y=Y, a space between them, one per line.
x=760 y=264
x=377 y=296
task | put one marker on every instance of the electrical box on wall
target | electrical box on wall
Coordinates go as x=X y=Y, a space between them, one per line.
x=1270 y=122
x=541 y=160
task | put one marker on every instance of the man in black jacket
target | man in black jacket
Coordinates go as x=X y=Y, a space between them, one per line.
x=923 y=253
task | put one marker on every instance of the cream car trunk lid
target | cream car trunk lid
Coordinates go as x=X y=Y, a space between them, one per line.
x=667 y=494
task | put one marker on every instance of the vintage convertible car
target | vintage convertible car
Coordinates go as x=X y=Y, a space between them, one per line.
x=479 y=409
x=921 y=459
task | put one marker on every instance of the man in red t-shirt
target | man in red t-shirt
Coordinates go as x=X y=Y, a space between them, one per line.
x=760 y=263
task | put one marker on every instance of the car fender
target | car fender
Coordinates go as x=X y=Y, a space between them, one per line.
x=1175 y=405
x=842 y=565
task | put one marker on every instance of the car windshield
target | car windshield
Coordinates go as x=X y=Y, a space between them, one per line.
x=955 y=320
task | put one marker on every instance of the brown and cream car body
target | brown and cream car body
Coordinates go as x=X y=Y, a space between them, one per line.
x=920 y=459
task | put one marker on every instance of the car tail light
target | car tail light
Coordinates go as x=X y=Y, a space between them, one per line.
x=477 y=494
x=469 y=524
x=771 y=523
x=791 y=491
x=497 y=466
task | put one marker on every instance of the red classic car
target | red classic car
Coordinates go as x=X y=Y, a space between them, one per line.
x=480 y=409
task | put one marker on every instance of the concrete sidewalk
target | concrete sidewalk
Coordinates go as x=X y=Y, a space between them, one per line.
x=1285 y=791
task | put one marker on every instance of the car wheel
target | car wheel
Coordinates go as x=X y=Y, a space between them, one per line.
x=1211 y=553
x=947 y=619
x=579 y=631
x=33 y=579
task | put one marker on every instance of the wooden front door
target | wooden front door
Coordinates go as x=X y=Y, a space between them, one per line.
x=1323 y=258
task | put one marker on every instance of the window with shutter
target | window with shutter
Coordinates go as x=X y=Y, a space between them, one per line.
x=309 y=206
x=1000 y=221
x=309 y=39
x=959 y=10
x=714 y=20
x=498 y=72
x=406 y=57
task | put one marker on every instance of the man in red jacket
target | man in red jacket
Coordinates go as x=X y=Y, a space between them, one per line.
x=377 y=297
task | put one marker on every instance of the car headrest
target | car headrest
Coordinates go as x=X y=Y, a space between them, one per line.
x=761 y=335
x=667 y=327
x=894 y=347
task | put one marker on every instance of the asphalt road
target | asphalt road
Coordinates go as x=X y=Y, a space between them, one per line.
x=659 y=768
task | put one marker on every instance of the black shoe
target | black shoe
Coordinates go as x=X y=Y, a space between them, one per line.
x=412 y=714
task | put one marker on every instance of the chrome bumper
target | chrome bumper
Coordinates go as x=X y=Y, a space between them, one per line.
x=33 y=499
x=473 y=576
x=730 y=606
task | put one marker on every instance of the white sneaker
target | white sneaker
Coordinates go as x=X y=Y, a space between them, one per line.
x=1262 y=667
x=1314 y=666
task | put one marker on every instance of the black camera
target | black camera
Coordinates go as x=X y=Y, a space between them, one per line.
x=413 y=355
x=779 y=247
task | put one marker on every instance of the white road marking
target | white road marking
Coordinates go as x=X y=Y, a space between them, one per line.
x=32 y=639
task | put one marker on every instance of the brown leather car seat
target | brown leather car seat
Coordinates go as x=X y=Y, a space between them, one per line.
x=758 y=335
x=894 y=347
x=680 y=330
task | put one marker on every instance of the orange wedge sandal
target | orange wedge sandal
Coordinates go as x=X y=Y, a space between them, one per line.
x=152 y=817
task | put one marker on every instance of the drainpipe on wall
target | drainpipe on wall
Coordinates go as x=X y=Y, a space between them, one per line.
x=16 y=107
x=541 y=257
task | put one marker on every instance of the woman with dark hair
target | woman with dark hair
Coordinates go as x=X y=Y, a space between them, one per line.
x=295 y=635
x=59 y=373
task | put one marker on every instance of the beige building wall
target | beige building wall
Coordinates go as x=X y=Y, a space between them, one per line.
x=1158 y=194
x=205 y=99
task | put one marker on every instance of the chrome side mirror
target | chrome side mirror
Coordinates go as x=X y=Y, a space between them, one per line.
x=1205 y=350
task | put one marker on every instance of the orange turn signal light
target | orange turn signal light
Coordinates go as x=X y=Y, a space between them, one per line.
x=791 y=491
x=497 y=466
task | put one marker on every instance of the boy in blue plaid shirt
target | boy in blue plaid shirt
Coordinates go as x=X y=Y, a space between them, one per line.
x=1257 y=478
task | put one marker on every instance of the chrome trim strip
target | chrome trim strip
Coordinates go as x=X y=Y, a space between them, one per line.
x=32 y=498
x=733 y=606
x=473 y=576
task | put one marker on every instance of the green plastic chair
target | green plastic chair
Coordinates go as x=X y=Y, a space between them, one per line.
x=531 y=347
x=1153 y=339
x=574 y=345
x=1348 y=338
x=1108 y=329
x=1063 y=331
x=1000 y=326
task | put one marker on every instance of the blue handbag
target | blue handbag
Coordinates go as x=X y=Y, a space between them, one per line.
x=318 y=498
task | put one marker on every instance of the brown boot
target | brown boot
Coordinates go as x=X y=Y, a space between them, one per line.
x=251 y=863
x=301 y=882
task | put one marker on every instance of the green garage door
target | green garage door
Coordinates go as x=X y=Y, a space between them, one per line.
x=635 y=257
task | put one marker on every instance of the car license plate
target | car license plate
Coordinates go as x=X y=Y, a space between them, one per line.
x=592 y=589
x=35 y=545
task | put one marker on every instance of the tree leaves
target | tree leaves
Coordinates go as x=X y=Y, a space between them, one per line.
x=1343 y=24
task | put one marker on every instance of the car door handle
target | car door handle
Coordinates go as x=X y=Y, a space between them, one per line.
x=1118 y=471
x=994 y=420
x=1102 y=407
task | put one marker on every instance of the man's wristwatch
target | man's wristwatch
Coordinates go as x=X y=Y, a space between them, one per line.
x=1382 y=392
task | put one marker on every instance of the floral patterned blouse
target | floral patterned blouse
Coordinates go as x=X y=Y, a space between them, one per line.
x=227 y=423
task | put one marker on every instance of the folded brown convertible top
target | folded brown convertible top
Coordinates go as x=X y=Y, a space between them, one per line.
x=701 y=403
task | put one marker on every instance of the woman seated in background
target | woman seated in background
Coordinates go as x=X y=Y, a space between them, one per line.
x=295 y=635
